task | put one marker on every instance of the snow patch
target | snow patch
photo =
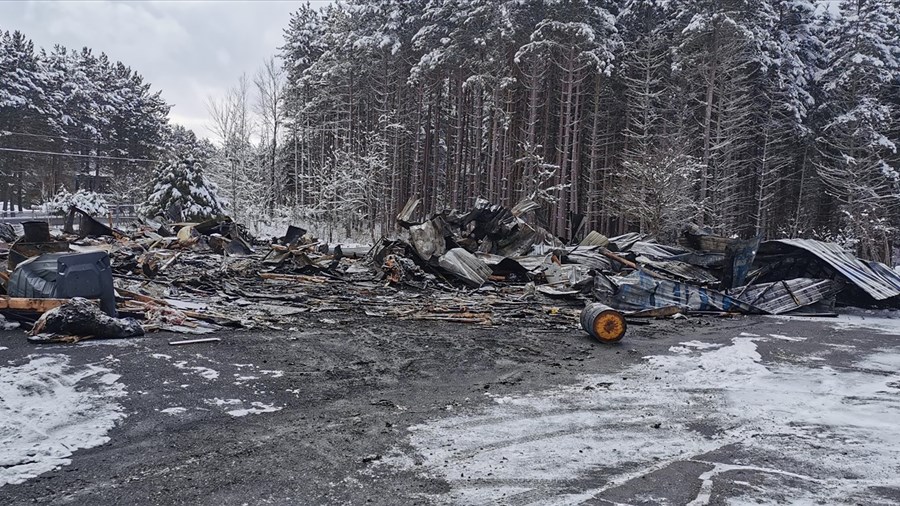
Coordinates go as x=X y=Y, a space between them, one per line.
x=787 y=338
x=258 y=407
x=822 y=428
x=173 y=411
x=204 y=372
x=700 y=345
x=91 y=343
x=223 y=402
x=884 y=361
x=109 y=378
x=7 y=325
x=50 y=408
x=689 y=347
x=882 y=325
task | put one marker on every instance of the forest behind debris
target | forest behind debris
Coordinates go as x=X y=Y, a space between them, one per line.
x=756 y=117
x=77 y=120
x=776 y=118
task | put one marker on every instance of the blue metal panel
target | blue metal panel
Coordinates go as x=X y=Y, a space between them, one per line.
x=639 y=291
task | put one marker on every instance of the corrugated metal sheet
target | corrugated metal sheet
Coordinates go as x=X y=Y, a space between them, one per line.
x=595 y=238
x=567 y=274
x=639 y=291
x=588 y=256
x=784 y=296
x=465 y=266
x=625 y=241
x=527 y=240
x=533 y=264
x=664 y=252
x=679 y=270
x=888 y=274
x=876 y=284
x=702 y=259
x=503 y=266
x=656 y=251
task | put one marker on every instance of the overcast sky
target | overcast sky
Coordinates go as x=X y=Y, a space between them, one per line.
x=189 y=50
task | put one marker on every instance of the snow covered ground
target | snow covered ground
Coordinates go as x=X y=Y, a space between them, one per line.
x=49 y=409
x=824 y=433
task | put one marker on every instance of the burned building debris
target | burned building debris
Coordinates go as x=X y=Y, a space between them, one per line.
x=488 y=265
x=79 y=318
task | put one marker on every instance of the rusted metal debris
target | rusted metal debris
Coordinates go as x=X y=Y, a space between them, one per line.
x=603 y=322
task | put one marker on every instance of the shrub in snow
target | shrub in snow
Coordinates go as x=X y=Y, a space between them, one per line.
x=181 y=192
x=88 y=201
x=60 y=202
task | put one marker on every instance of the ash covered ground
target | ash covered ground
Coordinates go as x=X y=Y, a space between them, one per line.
x=353 y=409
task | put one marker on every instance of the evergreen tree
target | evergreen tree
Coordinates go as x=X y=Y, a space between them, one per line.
x=858 y=140
x=182 y=192
x=59 y=102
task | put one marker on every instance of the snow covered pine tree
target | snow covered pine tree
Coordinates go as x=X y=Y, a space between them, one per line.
x=181 y=192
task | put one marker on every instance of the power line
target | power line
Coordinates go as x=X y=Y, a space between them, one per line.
x=77 y=155
x=10 y=132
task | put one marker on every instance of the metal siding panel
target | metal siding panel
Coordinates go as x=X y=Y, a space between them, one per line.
x=783 y=296
x=851 y=267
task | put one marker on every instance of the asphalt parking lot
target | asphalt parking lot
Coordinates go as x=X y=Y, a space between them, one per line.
x=352 y=410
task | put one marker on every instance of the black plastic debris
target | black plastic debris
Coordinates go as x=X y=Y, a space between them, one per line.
x=79 y=319
x=65 y=275
x=87 y=275
x=36 y=231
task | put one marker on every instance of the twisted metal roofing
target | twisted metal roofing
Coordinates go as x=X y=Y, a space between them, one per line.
x=881 y=284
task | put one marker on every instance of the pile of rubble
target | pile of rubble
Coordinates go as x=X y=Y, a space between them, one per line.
x=636 y=274
x=489 y=265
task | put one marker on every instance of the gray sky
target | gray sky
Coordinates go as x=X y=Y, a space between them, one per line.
x=189 y=50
